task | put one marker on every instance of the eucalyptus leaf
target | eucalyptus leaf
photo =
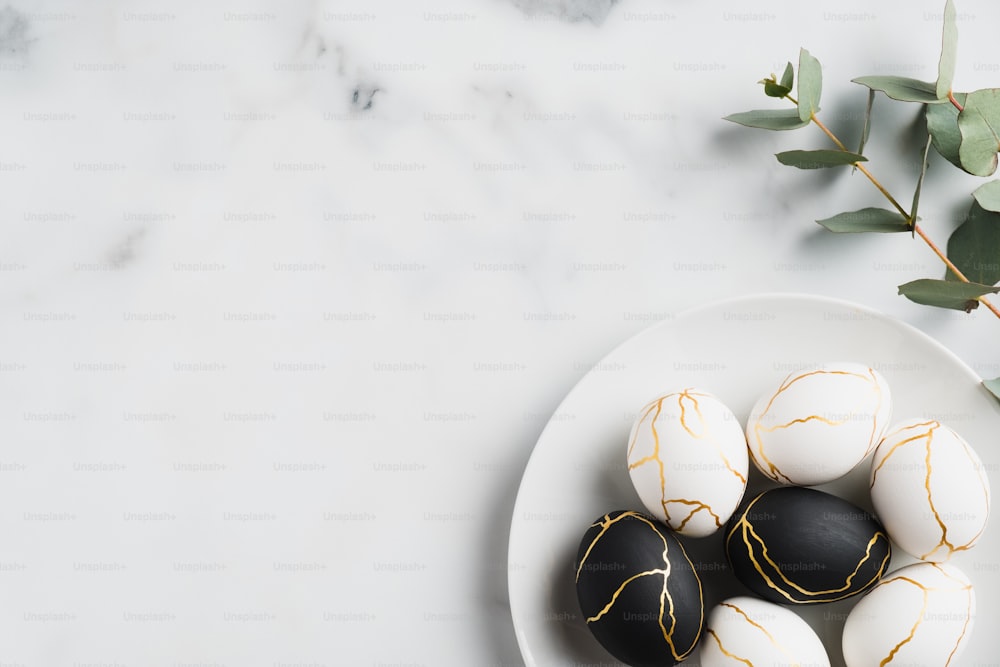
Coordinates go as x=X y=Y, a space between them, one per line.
x=788 y=76
x=945 y=293
x=974 y=247
x=942 y=124
x=902 y=88
x=993 y=386
x=810 y=85
x=979 y=124
x=988 y=196
x=949 y=45
x=920 y=179
x=819 y=159
x=772 y=89
x=769 y=119
x=869 y=219
x=866 y=130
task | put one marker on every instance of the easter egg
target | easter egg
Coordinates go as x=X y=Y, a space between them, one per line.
x=638 y=591
x=817 y=424
x=929 y=488
x=921 y=614
x=793 y=545
x=750 y=631
x=687 y=458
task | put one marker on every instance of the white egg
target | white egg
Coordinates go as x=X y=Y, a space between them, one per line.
x=921 y=614
x=750 y=631
x=930 y=490
x=818 y=423
x=687 y=458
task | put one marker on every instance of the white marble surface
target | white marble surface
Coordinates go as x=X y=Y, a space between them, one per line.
x=289 y=289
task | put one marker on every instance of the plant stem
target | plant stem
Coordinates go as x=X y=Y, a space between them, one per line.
x=863 y=170
x=951 y=267
x=937 y=251
x=913 y=223
x=954 y=102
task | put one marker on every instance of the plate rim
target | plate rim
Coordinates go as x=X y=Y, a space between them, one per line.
x=519 y=632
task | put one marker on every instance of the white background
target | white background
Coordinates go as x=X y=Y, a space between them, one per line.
x=274 y=358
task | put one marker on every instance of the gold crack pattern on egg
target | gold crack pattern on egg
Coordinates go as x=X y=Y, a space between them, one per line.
x=750 y=631
x=921 y=614
x=687 y=458
x=638 y=591
x=930 y=489
x=818 y=423
x=803 y=546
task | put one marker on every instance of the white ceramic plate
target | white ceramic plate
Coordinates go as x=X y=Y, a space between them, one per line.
x=734 y=349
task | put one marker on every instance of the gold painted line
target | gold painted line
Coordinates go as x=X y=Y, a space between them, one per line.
x=656 y=449
x=747 y=526
x=725 y=652
x=701 y=600
x=646 y=459
x=753 y=559
x=937 y=566
x=943 y=542
x=635 y=438
x=913 y=631
x=683 y=418
x=965 y=628
x=932 y=424
x=605 y=525
x=803 y=420
x=667 y=634
x=743 y=516
x=984 y=482
x=614 y=596
x=655 y=530
x=878 y=408
x=699 y=506
x=762 y=629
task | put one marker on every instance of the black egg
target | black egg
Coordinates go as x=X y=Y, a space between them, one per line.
x=638 y=590
x=794 y=545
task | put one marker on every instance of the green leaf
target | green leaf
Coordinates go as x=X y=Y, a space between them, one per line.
x=993 y=386
x=942 y=124
x=902 y=88
x=979 y=124
x=769 y=119
x=949 y=44
x=920 y=179
x=988 y=196
x=818 y=159
x=772 y=89
x=866 y=130
x=945 y=293
x=867 y=220
x=974 y=247
x=788 y=76
x=810 y=84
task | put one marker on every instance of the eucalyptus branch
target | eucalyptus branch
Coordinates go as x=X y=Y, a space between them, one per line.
x=964 y=128
x=911 y=216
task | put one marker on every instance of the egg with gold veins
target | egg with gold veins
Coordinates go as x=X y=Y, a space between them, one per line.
x=687 y=458
x=793 y=545
x=817 y=424
x=930 y=489
x=640 y=594
x=747 y=630
x=921 y=614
